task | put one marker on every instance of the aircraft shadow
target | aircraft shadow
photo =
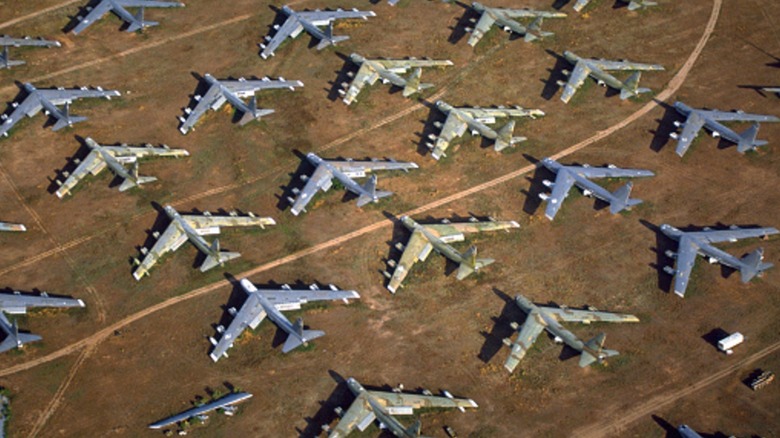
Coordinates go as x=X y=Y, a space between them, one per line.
x=429 y=128
x=532 y=200
x=340 y=397
x=159 y=225
x=70 y=165
x=279 y=20
x=399 y=235
x=83 y=11
x=467 y=20
x=665 y=126
x=662 y=244
x=551 y=86
x=494 y=339
x=342 y=77
x=296 y=181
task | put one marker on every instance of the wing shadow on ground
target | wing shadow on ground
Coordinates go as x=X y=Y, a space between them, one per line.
x=304 y=170
x=467 y=20
x=275 y=25
x=76 y=19
x=159 y=226
x=551 y=86
x=501 y=330
x=400 y=235
x=662 y=245
x=343 y=76
x=340 y=397
x=431 y=127
x=532 y=199
x=70 y=165
x=665 y=126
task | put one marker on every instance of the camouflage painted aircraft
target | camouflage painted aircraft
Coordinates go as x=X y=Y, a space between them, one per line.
x=598 y=68
x=388 y=71
x=382 y=406
x=428 y=237
x=568 y=176
x=224 y=404
x=710 y=119
x=549 y=318
x=233 y=92
x=47 y=100
x=115 y=158
x=271 y=303
x=344 y=171
x=476 y=119
x=692 y=243
x=192 y=228
x=7 y=41
x=506 y=19
x=633 y=5
x=309 y=21
x=17 y=303
x=5 y=226
x=134 y=22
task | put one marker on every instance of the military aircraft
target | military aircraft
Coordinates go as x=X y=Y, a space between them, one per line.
x=710 y=119
x=17 y=303
x=687 y=432
x=692 y=243
x=568 y=176
x=549 y=318
x=598 y=68
x=344 y=171
x=389 y=71
x=225 y=404
x=476 y=119
x=427 y=237
x=383 y=406
x=270 y=302
x=633 y=5
x=115 y=158
x=134 y=22
x=6 y=41
x=5 y=226
x=309 y=21
x=233 y=92
x=47 y=100
x=775 y=90
x=506 y=19
x=192 y=228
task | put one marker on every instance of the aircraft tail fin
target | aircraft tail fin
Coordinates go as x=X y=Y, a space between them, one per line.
x=300 y=336
x=136 y=180
x=370 y=193
x=535 y=32
x=6 y=61
x=330 y=39
x=16 y=339
x=752 y=265
x=622 y=200
x=220 y=259
x=253 y=113
x=505 y=139
x=631 y=86
x=413 y=84
x=139 y=23
x=471 y=263
x=594 y=351
x=66 y=119
x=747 y=140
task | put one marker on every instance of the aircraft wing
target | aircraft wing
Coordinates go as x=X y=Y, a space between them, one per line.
x=320 y=18
x=626 y=65
x=737 y=116
x=208 y=100
x=563 y=182
x=358 y=415
x=16 y=303
x=360 y=167
x=686 y=257
x=491 y=113
x=170 y=240
x=19 y=42
x=144 y=151
x=250 y=315
x=149 y=4
x=92 y=164
x=576 y=79
x=525 y=339
x=244 y=86
x=58 y=97
x=94 y=15
x=417 y=248
x=364 y=75
x=289 y=28
x=29 y=107
x=205 y=224
x=611 y=172
x=453 y=128
x=733 y=234
x=524 y=13
x=587 y=316
x=405 y=64
x=452 y=229
x=693 y=124
x=319 y=180
x=482 y=27
x=283 y=299
x=418 y=401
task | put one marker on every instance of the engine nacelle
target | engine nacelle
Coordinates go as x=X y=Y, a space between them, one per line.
x=232 y=311
x=712 y=260
x=669 y=270
x=400 y=246
x=220 y=329
x=339 y=411
x=544 y=196
x=715 y=134
x=433 y=137
x=507 y=29
x=560 y=83
x=587 y=192
x=304 y=178
x=548 y=183
x=558 y=340
x=507 y=342
x=671 y=254
x=296 y=190
x=678 y=124
x=391 y=263
x=674 y=135
x=601 y=83
x=438 y=124
x=514 y=325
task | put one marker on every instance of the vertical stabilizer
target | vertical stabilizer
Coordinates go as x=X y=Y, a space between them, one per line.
x=413 y=84
x=330 y=39
x=752 y=265
x=299 y=336
x=217 y=257
x=621 y=199
x=505 y=139
x=370 y=193
x=747 y=140
x=594 y=351
x=631 y=86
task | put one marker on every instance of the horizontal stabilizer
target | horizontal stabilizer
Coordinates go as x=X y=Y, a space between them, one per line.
x=505 y=139
x=222 y=257
x=747 y=140
x=752 y=265
x=129 y=183
x=67 y=121
x=594 y=351
x=622 y=201
x=413 y=83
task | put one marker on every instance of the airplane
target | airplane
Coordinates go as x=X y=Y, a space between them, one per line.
x=710 y=119
x=568 y=176
x=388 y=71
x=17 y=303
x=309 y=21
x=383 y=406
x=192 y=228
x=505 y=18
x=5 y=226
x=775 y=90
x=476 y=119
x=549 y=318
x=633 y=5
x=6 y=41
x=597 y=68
x=134 y=22
x=221 y=91
x=270 y=302
x=686 y=432
x=115 y=158
x=427 y=237
x=226 y=404
x=344 y=171
x=692 y=243
x=47 y=100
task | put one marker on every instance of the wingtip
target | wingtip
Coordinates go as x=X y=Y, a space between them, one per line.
x=81 y=303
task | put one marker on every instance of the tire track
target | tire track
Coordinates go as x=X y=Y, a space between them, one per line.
x=37 y=13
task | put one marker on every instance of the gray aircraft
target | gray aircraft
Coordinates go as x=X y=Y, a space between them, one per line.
x=505 y=18
x=190 y=227
x=476 y=119
x=549 y=318
x=233 y=91
x=692 y=243
x=271 y=303
x=134 y=21
x=598 y=68
x=633 y=5
x=388 y=71
x=17 y=303
x=48 y=101
x=7 y=41
x=710 y=119
x=428 y=237
x=687 y=432
x=5 y=226
x=115 y=158
x=309 y=21
x=225 y=404
x=775 y=90
x=383 y=406
x=344 y=171
x=568 y=176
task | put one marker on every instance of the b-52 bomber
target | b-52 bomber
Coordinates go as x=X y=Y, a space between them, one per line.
x=568 y=176
x=7 y=41
x=233 y=91
x=192 y=228
x=309 y=21
x=17 y=303
x=382 y=406
x=134 y=21
x=226 y=404
x=271 y=303
x=48 y=101
x=115 y=158
x=710 y=119
x=598 y=68
x=428 y=237
x=549 y=318
x=692 y=243
x=633 y=5
x=5 y=226
x=476 y=119
x=506 y=19
x=344 y=171
x=388 y=71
